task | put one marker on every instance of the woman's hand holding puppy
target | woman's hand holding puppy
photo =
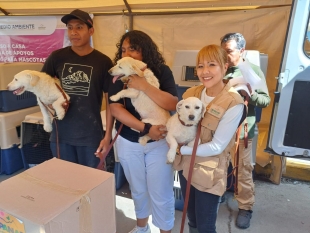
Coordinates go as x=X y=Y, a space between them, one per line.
x=157 y=132
x=138 y=83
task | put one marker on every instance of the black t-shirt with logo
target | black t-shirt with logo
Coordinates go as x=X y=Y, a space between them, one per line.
x=166 y=83
x=84 y=78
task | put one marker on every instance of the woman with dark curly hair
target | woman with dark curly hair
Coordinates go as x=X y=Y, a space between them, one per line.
x=149 y=176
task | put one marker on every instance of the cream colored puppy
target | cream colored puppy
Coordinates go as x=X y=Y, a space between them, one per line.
x=182 y=126
x=149 y=111
x=43 y=86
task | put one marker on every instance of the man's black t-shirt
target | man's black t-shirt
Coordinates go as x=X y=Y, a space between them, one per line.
x=166 y=83
x=84 y=78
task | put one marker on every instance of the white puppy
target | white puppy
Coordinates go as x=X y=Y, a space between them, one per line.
x=43 y=86
x=182 y=126
x=149 y=111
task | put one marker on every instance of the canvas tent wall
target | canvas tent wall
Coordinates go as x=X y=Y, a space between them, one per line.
x=180 y=25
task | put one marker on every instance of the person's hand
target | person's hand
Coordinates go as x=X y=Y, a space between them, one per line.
x=249 y=87
x=138 y=83
x=157 y=132
x=244 y=93
x=103 y=146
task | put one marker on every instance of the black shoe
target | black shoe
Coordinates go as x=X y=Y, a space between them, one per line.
x=244 y=218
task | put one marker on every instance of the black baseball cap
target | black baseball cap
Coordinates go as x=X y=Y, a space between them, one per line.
x=78 y=14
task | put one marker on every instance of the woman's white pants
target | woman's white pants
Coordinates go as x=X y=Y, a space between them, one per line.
x=150 y=179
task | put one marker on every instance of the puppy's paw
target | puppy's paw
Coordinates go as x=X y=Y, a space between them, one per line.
x=170 y=156
x=168 y=162
x=60 y=115
x=114 y=97
x=143 y=140
x=48 y=127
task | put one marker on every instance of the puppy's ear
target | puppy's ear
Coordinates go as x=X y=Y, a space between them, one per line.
x=137 y=71
x=203 y=110
x=179 y=105
x=33 y=78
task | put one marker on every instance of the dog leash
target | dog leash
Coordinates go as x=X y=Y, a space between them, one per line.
x=66 y=107
x=101 y=165
x=236 y=162
x=67 y=102
x=189 y=178
x=236 y=153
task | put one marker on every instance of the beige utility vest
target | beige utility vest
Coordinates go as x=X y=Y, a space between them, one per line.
x=210 y=173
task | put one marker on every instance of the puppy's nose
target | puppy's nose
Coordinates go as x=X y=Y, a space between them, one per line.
x=110 y=71
x=191 y=117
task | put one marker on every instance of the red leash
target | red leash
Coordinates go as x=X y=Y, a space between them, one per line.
x=101 y=164
x=189 y=178
x=66 y=106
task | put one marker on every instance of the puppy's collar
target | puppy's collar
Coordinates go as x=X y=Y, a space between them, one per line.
x=183 y=123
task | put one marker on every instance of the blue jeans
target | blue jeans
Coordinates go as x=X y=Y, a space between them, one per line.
x=202 y=208
x=83 y=155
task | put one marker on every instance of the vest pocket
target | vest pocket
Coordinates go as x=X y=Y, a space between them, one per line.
x=204 y=172
x=210 y=122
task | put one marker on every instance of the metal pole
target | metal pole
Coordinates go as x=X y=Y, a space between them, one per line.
x=130 y=15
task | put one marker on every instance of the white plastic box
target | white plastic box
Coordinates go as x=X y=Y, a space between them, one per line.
x=59 y=196
x=8 y=123
x=10 y=155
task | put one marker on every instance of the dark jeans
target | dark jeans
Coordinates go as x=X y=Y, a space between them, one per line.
x=202 y=208
x=83 y=155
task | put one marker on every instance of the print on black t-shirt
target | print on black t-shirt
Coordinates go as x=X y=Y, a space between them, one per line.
x=76 y=79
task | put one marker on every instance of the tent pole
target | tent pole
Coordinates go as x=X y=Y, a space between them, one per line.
x=4 y=11
x=130 y=15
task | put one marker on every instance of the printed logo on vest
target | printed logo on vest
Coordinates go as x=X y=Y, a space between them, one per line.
x=216 y=111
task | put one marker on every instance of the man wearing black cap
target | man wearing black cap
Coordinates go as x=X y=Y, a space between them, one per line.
x=83 y=73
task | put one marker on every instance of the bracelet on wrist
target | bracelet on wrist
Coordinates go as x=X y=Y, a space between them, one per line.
x=146 y=130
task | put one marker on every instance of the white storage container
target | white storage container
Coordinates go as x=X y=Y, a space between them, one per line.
x=10 y=123
x=10 y=155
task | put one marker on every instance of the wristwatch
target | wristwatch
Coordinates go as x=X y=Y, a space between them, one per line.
x=146 y=130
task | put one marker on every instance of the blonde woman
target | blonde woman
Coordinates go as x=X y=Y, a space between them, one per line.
x=225 y=111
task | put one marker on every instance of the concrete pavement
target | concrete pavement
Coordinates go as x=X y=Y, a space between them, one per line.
x=283 y=208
